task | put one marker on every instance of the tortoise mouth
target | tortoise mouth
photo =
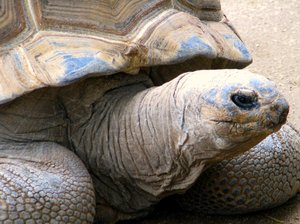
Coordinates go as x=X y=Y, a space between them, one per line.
x=242 y=131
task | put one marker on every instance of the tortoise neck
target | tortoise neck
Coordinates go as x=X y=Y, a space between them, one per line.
x=134 y=135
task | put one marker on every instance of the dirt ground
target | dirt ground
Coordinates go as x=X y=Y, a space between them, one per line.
x=271 y=30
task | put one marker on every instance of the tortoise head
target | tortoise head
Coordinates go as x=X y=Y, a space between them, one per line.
x=230 y=108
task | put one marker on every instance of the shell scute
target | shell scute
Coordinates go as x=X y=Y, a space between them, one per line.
x=12 y=21
x=115 y=17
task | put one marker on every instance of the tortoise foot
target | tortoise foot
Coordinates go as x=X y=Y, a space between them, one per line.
x=44 y=183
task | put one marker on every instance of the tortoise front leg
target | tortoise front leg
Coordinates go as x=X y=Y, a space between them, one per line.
x=44 y=183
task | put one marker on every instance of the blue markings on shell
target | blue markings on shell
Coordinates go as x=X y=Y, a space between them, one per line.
x=77 y=67
x=194 y=46
x=75 y=64
x=18 y=61
x=240 y=46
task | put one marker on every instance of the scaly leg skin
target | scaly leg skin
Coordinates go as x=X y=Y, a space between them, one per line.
x=43 y=183
x=264 y=177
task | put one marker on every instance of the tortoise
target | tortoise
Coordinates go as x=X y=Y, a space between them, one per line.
x=107 y=106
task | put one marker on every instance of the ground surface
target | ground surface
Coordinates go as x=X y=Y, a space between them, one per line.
x=271 y=30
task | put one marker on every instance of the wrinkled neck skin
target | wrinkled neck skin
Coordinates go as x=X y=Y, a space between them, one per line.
x=141 y=144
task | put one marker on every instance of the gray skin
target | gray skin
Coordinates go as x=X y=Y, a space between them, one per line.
x=263 y=177
x=139 y=144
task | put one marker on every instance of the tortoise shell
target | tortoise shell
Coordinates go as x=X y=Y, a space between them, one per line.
x=54 y=42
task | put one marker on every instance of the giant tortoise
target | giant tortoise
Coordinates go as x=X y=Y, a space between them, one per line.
x=98 y=123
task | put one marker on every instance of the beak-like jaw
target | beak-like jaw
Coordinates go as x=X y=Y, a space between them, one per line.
x=276 y=115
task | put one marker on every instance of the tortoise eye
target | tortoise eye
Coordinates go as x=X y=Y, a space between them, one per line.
x=245 y=101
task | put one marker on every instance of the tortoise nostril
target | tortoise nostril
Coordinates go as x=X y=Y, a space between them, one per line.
x=278 y=112
x=245 y=101
x=282 y=107
x=283 y=117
